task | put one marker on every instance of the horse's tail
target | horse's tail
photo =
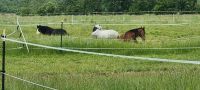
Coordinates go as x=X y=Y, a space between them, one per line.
x=67 y=34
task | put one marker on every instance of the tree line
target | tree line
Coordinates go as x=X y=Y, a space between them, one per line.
x=44 y=7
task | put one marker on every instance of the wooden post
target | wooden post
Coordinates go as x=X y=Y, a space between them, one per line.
x=61 y=35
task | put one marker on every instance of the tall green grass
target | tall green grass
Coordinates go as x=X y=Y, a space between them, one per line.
x=74 y=71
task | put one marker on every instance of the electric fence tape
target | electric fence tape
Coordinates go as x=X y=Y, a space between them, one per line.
x=111 y=55
x=29 y=82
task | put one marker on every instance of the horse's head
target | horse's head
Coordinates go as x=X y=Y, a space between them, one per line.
x=42 y=29
x=143 y=28
x=37 y=31
x=142 y=33
x=97 y=26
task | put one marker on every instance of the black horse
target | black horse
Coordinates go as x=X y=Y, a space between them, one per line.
x=50 y=31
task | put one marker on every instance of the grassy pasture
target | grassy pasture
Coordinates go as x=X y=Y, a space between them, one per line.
x=74 y=71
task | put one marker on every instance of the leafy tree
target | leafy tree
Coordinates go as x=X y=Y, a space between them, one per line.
x=165 y=5
x=24 y=11
x=142 y=5
x=126 y=5
x=48 y=8
x=92 y=6
x=44 y=7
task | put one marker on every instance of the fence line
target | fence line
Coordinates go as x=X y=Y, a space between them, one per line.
x=20 y=29
x=105 y=20
x=179 y=39
x=134 y=48
x=76 y=48
x=14 y=48
x=29 y=81
x=111 y=24
x=111 y=55
x=14 y=31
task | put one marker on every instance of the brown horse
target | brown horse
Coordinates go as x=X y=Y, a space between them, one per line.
x=133 y=34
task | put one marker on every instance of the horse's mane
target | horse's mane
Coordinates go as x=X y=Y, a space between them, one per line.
x=46 y=27
x=94 y=29
x=136 y=29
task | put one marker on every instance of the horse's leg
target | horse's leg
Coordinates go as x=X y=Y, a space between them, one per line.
x=143 y=37
x=124 y=40
x=124 y=37
x=128 y=40
x=135 y=40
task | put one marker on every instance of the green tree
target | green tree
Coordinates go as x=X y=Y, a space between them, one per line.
x=44 y=7
x=24 y=11
x=48 y=8
x=142 y=5
x=165 y=5
x=175 y=5
x=186 y=5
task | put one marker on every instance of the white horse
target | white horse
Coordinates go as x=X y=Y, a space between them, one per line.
x=107 y=34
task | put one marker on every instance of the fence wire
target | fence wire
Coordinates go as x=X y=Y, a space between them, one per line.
x=29 y=82
x=105 y=54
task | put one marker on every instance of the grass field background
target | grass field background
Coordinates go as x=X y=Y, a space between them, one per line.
x=74 y=71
